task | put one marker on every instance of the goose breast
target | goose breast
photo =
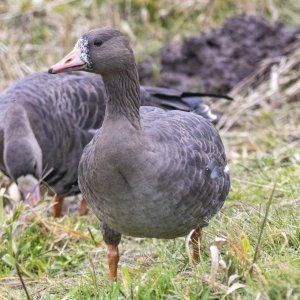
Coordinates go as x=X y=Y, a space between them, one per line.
x=180 y=159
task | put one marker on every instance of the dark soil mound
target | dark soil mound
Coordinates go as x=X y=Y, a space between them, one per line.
x=218 y=60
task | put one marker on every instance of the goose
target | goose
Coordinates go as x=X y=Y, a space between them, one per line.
x=46 y=121
x=147 y=172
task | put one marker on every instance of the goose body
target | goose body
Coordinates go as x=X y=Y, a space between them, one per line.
x=147 y=172
x=168 y=177
x=45 y=124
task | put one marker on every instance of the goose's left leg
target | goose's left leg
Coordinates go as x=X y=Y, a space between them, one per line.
x=83 y=209
x=112 y=240
x=196 y=242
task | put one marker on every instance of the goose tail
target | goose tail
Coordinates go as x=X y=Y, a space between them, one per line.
x=186 y=101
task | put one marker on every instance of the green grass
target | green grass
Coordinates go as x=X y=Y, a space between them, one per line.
x=68 y=264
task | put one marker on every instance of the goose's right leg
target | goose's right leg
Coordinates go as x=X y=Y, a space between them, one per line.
x=83 y=209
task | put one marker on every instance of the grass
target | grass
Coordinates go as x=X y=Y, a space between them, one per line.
x=66 y=258
x=66 y=263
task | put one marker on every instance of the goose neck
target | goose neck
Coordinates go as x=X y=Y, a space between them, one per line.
x=123 y=93
x=16 y=124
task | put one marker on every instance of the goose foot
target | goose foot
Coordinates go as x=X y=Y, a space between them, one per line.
x=196 y=242
x=57 y=207
x=83 y=210
x=112 y=239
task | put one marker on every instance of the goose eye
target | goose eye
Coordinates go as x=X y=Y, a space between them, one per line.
x=98 y=43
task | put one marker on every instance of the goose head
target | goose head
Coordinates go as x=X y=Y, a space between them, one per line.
x=103 y=51
x=23 y=163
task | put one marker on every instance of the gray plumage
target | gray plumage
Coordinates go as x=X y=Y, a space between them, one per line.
x=147 y=172
x=160 y=184
x=46 y=121
x=53 y=117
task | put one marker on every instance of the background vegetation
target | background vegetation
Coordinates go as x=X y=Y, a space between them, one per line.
x=65 y=258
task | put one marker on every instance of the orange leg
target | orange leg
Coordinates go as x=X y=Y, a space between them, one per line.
x=57 y=207
x=83 y=210
x=196 y=240
x=113 y=259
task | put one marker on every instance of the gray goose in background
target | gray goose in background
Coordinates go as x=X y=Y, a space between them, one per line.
x=147 y=172
x=45 y=124
x=46 y=121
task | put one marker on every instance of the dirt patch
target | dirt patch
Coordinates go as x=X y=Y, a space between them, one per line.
x=218 y=60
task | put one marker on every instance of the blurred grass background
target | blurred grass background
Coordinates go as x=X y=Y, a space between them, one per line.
x=36 y=33
x=65 y=258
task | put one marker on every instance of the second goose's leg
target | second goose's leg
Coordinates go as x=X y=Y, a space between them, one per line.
x=112 y=240
x=57 y=207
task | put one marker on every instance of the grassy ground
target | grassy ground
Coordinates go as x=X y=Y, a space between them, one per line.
x=66 y=258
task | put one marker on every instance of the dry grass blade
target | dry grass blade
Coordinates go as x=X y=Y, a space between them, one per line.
x=234 y=287
x=269 y=187
x=187 y=248
x=58 y=229
x=214 y=254
x=211 y=279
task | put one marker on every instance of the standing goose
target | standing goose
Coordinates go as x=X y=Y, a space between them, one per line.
x=45 y=122
x=147 y=172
